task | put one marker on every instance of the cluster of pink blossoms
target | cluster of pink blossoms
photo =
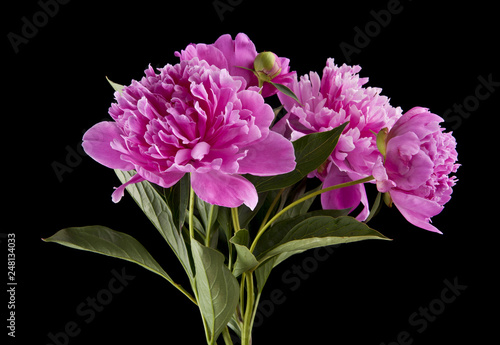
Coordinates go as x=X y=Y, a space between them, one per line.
x=200 y=117
x=328 y=102
x=207 y=116
x=414 y=169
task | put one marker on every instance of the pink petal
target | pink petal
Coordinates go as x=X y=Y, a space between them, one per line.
x=165 y=179
x=240 y=52
x=418 y=211
x=97 y=143
x=272 y=156
x=118 y=193
x=380 y=175
x=262 y=111
x=343 y=198
x=225 y=190
x=209 y=53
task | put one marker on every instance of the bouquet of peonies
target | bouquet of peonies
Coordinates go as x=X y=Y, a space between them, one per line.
x=230 y=182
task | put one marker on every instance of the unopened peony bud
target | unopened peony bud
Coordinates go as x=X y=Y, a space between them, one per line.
x=267 y=66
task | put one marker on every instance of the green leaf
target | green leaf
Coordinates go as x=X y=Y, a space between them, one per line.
x=177 y=198
x=311 y=151
x=102 y=240
x=320 y=231
x=158 y=212
x=208 y=213
x=245 y=260
x=263 y=271
x=116 y=87
x=285 y=90
x=275 y=235
x=225 y=222
x=217 y=289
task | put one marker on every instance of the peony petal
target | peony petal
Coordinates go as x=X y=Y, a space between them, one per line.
x=209 y=53
x=418 y=211
x=272 y=156
x=118 y=193
x=200 y=150
x=343 y=198
x=165 y=179
x=380 y=175
x=417 y=120
x=262 y=111
x=225 y=190
x=240 y=52
x=406 y=163
x=97 y=144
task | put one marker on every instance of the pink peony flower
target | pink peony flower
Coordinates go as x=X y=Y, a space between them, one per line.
x=419 y=159
x=337 y=97
x=230 y=54
x=192 y=118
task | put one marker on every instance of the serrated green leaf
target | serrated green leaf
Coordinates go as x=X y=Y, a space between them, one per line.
x=102 y=240
x=217 y=289
x=311 y=151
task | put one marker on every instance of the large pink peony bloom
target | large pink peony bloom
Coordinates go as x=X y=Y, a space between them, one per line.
x=230 y=54
x=419 y=159
x=337 y=97
x=192 y=118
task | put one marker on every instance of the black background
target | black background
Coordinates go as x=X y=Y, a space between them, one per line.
x=55 y=88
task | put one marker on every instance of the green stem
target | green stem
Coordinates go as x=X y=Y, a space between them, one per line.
x=236 y=224
x=187 y=294
x=311 y=195
x=271 y=208
x=226 y=336
x=191 y=213
x=236 y=219
x=246 y=332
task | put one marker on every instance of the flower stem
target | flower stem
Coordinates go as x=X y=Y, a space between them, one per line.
x=246 y=332
x=236 y=219
x=191 y=213
x=311 y=195
x=271 y=208
x=226 y=336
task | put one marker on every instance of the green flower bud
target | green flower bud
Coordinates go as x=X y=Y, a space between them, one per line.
x=267 y=66
x=382 y=141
